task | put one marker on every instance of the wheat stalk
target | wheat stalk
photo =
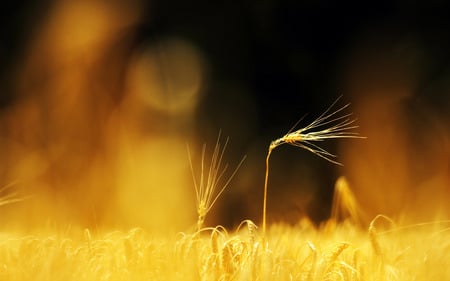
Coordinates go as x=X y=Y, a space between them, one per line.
x=329 y=125
x=206 y=189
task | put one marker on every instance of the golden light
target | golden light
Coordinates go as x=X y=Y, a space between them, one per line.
x=96 y=183
x=401 y=169
x=98 y=134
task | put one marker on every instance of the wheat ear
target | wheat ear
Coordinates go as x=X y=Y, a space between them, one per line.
x=206 y=189
x=329 y=125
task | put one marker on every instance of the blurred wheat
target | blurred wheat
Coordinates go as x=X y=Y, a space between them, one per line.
x=297 y=252
x=9 y=197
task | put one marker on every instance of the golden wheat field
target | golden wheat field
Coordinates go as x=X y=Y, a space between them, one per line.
x=301 y=252
x=105 y=173
x=339 y=249
x=342 y=248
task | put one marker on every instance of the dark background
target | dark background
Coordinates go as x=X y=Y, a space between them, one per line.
x=286 y=54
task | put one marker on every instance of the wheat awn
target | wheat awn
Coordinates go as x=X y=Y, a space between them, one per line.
x=329 y=125
x=206 y=189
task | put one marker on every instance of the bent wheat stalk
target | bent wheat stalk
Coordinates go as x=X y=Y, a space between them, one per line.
x=206 y=189
x=329 y=125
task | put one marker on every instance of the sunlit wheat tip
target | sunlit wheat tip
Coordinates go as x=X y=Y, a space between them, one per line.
x=331 y=124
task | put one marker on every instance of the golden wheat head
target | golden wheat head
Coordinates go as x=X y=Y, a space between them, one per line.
x=329 y=125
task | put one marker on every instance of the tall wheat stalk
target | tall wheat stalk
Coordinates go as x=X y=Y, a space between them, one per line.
x=329 y=125
x=206 y=188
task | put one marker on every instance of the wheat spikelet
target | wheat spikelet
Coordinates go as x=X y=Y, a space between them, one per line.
x=336 y=252
x=226 y=258
x=326 y=126
x=334 y=269
x=329 y=125
x=251 y=228
x=206 y=189
x=251 y=231
x=233 y=256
